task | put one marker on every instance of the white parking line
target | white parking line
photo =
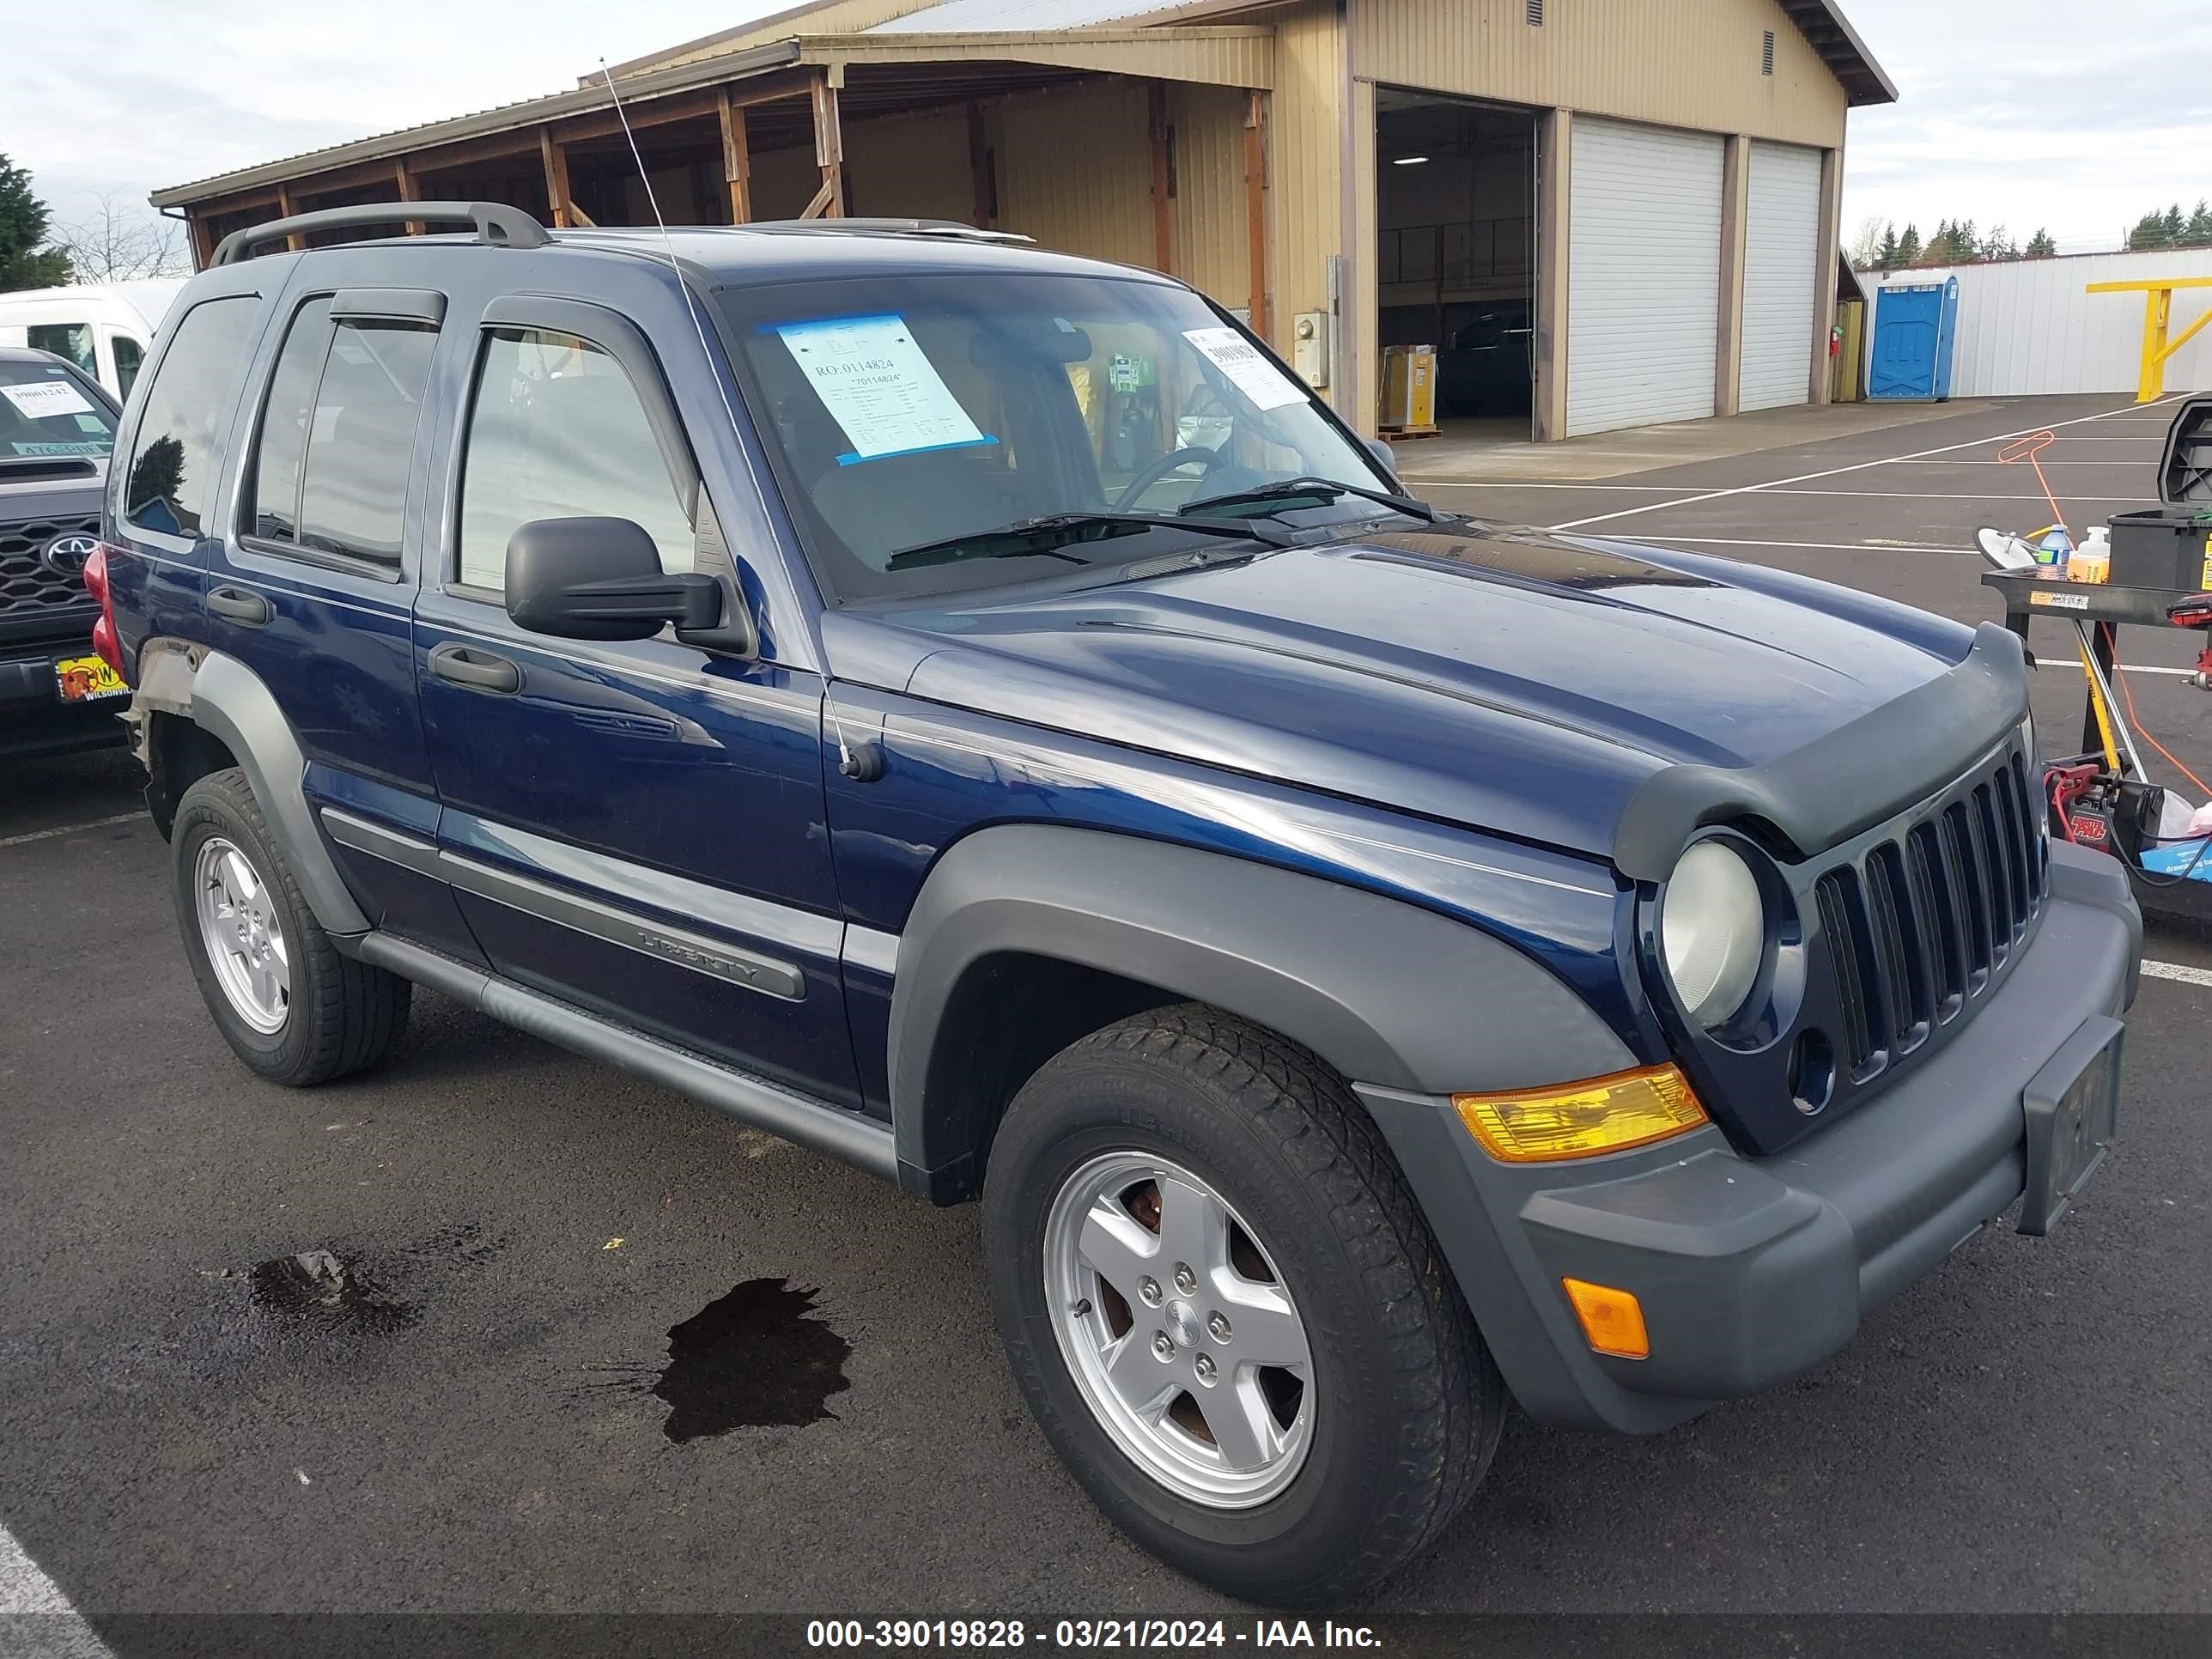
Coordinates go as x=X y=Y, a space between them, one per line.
x=2175 y=970
x=28 y=1592
x=1856 y=467
x=71 y=828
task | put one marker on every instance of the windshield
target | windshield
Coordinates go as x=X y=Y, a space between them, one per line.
x=914 y=411
x=47 y=411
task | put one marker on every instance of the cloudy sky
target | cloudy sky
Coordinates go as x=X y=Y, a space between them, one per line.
x=2076 y=116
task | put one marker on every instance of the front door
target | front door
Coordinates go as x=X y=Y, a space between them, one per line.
x=636 y=827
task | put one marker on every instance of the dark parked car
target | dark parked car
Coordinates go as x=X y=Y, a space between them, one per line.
x=57 y=428
x=1367 y=962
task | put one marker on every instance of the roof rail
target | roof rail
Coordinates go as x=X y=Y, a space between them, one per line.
x=951 y=229
x=497 y=223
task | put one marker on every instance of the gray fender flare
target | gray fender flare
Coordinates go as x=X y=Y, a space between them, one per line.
x=228 y=699
x=1387 y=994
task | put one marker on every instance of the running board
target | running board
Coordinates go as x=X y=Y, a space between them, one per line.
x=813 y=1124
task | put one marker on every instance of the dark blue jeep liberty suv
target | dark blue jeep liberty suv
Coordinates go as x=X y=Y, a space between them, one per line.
x=972 y=712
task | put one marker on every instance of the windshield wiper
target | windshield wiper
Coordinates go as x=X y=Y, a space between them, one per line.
x=1291 y=489
x=1049 y=535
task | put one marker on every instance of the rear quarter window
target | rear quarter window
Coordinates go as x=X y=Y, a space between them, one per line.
x=169 y=485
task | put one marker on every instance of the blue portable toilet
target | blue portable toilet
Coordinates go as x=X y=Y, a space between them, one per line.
x=1914 y=327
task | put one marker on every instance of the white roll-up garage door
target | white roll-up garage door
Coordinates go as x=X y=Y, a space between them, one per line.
x=1781 y=276
x=1644 y=275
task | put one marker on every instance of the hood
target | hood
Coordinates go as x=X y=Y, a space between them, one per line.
x=1509 y=680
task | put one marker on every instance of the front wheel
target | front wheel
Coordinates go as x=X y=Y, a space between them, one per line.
x=1226 y=1312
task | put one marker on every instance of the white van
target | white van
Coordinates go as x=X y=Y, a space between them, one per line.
x=105 y=328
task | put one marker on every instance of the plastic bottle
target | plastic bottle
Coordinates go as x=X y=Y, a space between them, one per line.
x=2052 y=549
x=2091 y=561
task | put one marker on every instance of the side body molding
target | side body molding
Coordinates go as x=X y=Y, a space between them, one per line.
x=229 y=700
x=1387 y=994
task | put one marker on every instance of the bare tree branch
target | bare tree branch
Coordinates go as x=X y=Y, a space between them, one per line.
x=118 y=243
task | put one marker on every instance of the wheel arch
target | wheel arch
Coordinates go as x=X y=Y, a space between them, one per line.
x=1384 y=992
x=195 y=708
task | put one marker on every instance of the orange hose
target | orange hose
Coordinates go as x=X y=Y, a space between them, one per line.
x=2121 y=679
x=2027 y=449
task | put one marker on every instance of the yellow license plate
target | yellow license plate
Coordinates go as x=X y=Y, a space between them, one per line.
x=87 y=680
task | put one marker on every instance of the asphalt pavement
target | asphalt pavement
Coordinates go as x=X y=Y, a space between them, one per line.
x=496 y=1329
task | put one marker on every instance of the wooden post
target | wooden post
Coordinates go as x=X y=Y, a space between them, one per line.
x=402 y=178
x=557 y=177
x=737 y=157
x=285 y=210
x=829 y=202
x=202 y=240
x=980 y=168
x=1156 y=129
x=1256 y=205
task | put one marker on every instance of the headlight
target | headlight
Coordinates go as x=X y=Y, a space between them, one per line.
x=1712 y=932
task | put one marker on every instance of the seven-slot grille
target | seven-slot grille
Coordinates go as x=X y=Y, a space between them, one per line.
x=28 y=586
x=1917 y=928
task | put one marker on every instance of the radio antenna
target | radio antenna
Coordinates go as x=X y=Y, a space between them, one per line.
x=668 y=245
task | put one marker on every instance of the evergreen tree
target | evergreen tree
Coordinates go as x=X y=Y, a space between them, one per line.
x=23 y=221
x=2040 y=246
x=1908 y=246
x=1998 y=245
x=2198 y=233
x=2149 y=232
x=2173 y=224
x=1886 y=258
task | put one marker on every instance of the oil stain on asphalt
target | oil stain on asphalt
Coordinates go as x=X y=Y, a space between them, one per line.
x=323 y=1292
x=757 y=1357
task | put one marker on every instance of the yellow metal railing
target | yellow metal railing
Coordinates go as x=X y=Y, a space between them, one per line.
x=2158 y=313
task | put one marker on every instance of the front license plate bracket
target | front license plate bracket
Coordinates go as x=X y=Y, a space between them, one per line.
x=2073 y=1110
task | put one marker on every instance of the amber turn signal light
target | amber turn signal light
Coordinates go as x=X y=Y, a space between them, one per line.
x=1582 y=1119
x=1612 y=1320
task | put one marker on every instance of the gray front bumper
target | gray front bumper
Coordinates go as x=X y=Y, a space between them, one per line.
x=1751 y=1270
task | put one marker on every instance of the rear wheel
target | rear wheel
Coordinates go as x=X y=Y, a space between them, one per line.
x=290 y=1006
x=1226 y=1312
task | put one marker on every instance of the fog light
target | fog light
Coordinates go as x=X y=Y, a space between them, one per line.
x=1582 y=1119
x=1612 y=1320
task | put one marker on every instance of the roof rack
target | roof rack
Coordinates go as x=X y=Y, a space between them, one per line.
x=497 y=224
x=951 y=229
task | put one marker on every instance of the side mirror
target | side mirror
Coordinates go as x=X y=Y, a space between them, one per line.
x=600 y=578
x=1383 y=453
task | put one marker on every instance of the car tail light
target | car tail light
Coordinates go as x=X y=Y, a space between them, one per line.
x=103 y=632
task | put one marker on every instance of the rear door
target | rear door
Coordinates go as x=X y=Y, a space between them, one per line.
x=313 y=585
x=636 y=827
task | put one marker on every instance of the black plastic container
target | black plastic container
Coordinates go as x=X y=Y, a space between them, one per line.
x=2171 y=546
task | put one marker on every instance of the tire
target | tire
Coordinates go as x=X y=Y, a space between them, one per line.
x=1397 y=1411
x=334 y=1015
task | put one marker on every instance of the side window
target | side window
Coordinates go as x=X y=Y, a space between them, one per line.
x=129 y=354
x=338 y=435
x=556 y=431
x=173 y=470
x=70 y=340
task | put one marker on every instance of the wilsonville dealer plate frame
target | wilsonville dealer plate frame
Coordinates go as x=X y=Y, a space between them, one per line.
x=87 y=679
x=2073 y=1112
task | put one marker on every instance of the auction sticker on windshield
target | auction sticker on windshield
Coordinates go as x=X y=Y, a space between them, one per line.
x=879 y=386
x=1267 y=386
x=40 y=400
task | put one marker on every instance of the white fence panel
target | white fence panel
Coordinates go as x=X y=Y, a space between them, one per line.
x=2026 y=326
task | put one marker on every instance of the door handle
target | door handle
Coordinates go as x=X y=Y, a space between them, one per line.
x=478 y=671
x=242 y=605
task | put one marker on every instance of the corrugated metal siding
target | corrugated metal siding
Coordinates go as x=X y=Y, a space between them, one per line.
x=1240 y=57
x=1206 y=216
x=1643 y=283
x=1781 y=276
x=1681 y=63
x=2026 y=326
x=1305 y=134
x=1075 y=170
x=911 y=166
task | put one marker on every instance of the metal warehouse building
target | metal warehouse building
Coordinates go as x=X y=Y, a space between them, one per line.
x=1608 y=212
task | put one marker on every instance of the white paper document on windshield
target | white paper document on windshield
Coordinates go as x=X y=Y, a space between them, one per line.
x=41 y=400
x=879 y=386
x=1259 y=380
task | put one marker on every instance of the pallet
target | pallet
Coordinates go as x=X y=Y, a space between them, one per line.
x=1399 y=434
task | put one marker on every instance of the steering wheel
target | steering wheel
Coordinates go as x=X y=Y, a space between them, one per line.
x=1160 y=469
